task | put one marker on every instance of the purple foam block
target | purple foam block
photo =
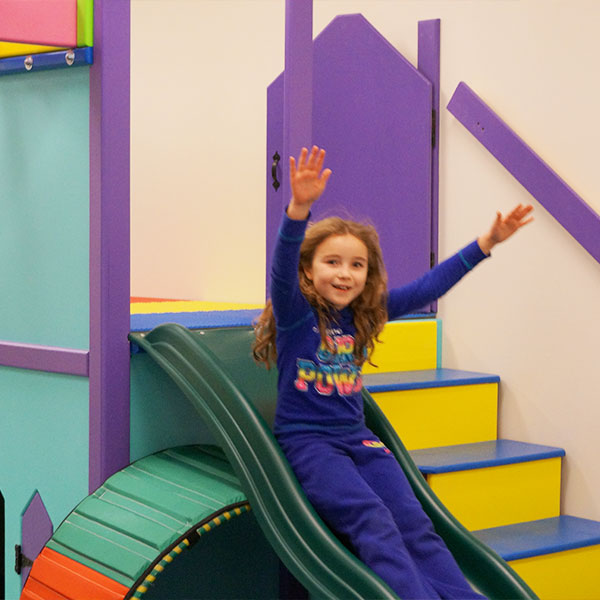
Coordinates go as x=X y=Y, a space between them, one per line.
x=36 y=530
x=44 y=358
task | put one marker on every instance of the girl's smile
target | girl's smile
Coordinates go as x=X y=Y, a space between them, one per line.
x=339 y=269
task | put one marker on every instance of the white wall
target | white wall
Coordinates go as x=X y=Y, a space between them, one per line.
x=199 y=73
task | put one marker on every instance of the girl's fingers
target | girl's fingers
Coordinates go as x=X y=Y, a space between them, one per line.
x=325 y=176
x=320 y=160
x=312 y=161
x=521 y=215
x=525 y=222
x=521 y=211
x=312 y=158
x=302 y=157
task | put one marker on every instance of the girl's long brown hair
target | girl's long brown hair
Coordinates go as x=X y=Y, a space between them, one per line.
x=369 y=309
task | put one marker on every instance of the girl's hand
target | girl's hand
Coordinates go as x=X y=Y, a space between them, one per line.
x=307 y=181
x=504 y=227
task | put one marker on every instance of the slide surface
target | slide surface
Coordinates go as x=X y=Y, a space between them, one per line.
x=236 y=399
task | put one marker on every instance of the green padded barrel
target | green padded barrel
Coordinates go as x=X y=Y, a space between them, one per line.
x=146 y=514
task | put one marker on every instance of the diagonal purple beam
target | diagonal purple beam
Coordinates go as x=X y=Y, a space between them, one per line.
x=109 y=241
x=561 y=201
x=297 y=84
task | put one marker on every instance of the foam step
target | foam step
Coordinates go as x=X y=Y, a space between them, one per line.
x=490 y=484
x=557 y=557
x=438 y=407
x=407 y=345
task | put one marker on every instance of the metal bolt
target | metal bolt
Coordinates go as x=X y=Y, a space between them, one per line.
x=70 y=57
x=29 y=63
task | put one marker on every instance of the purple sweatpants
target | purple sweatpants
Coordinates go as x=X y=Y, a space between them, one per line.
x=361 y=492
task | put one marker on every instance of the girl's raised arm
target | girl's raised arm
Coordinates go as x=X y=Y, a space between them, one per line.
x=307 y=182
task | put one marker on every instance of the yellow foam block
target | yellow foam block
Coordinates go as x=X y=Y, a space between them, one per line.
x=8 y=49
x=442 y=416
x=406 y=346
x=144 y=308
x=502 y=495
x=572 y=574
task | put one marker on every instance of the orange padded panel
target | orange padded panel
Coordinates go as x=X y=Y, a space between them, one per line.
x=57 y=577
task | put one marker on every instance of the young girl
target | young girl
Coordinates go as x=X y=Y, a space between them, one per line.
x=329 y=301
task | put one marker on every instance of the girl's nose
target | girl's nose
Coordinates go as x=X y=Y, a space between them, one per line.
x=344 y=271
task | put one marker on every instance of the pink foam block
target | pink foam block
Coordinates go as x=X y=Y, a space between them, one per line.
x=46 y=22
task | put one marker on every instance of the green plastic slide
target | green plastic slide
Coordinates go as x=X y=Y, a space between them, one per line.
x=236 y=399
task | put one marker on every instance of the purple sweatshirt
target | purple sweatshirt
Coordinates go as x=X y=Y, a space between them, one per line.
x=318 y=389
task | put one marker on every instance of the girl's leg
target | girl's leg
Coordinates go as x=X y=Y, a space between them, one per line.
x=433 y=559
x=349 y=506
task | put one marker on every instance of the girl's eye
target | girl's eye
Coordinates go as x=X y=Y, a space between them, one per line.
x=359 y=265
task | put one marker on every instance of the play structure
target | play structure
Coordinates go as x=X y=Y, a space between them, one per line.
x=137 y=458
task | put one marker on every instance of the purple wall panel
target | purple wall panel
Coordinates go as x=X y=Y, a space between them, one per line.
x=562 y=202
x=109 y=241
x=44 y=358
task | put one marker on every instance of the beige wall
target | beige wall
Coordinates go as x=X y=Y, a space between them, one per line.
x=199 y=73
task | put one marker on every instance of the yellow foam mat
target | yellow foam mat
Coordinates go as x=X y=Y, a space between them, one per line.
x=145 y=308
x=495 y=496
x=8 y=49
x=568 y=575
x=442 y=416
x=406 y=346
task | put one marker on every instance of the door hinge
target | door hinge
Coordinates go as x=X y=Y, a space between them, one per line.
x=433 y=127
x=21 y=561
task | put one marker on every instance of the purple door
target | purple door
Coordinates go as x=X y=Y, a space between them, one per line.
x=372 y=112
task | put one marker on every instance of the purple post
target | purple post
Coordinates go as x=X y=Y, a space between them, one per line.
x=109 y=241
x=429 y=65
x=562 y=202
x=297 y=85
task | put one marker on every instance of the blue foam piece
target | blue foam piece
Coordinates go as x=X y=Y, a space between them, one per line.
x=48 y=60
x=196 y=320
x=463 y=457
x=426 y=378
x=546 y=536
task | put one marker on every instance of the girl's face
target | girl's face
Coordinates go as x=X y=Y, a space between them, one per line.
x=339 y=269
